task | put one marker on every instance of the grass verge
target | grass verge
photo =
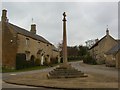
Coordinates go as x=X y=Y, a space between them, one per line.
x=26 y=69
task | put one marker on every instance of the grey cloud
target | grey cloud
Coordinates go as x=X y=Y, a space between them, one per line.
x=84 y=20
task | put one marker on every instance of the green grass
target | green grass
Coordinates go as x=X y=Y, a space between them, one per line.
x=26 y=69
x=3 y=70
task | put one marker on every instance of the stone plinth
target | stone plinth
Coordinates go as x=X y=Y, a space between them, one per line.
x=65 y=72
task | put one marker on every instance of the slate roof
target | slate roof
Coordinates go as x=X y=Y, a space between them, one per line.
x=55 y=49
x=118 y=40
x=27 y=33
x=114 y=49
x=97 y=42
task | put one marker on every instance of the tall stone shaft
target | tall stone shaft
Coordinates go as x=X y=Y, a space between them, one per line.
x=65 y=70
x=64 y=40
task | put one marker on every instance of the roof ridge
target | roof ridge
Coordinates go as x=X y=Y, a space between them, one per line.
x=28 y=33
x=114 y=49
x=100 y=40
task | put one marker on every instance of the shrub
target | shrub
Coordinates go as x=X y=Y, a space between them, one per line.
x=20 y=61
x=32 y=59
x=72 y=58
x=46 y=63
x=89 y=60
x=37 y=62
x=61 y=60
x=54 y=60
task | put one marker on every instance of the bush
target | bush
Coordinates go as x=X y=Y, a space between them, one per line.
x=73 y=58
x=89 y=60
x=37 y=62
x=20 y=61
x=32 y=63
x=54 y=60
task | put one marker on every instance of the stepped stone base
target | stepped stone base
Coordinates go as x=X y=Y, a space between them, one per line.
x=65 y=71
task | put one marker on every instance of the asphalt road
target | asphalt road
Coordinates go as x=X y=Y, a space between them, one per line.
x=12 y=74
x=99 y=69
x=7 y=86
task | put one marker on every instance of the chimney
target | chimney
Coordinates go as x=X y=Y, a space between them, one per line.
x=33 y=29
x=107 y=31
x=96 y=40
x=4 y=16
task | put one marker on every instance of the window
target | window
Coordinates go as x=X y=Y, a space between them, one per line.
x=27 y=55
x=113 y=58
x=38 y=45
x=27 y=41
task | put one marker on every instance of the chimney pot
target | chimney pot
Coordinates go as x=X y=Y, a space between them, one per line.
x=4 y=15
x=33 y=28
x=96 y=40
x=107 y=32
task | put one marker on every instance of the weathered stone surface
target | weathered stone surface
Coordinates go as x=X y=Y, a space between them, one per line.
x=16 y=40
x=40 y=80
x=64 y=72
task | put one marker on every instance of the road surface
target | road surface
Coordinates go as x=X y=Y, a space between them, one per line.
x=99 y=69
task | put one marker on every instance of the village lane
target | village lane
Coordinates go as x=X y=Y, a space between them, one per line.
x=98 y=69
x=12 y=74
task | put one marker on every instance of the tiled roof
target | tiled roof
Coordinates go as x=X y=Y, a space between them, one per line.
x=118 y=40
x=114 y=49
x=55 y=49
x=27 y=33
x=97 y=42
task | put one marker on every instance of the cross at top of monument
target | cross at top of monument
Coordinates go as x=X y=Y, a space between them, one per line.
x=64 y=14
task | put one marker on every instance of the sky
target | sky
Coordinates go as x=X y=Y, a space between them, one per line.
x=85 y=20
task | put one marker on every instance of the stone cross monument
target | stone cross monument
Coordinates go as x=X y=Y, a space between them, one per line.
x=65 y=70
x=64 y=40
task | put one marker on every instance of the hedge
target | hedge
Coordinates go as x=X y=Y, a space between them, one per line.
x=22 y=63
x=89 y=60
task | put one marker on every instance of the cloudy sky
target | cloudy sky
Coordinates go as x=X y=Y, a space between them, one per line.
x=85 y=20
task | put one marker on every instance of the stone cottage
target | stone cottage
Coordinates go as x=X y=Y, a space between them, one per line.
x=113 y=56
x=16 y=40
x=99 y=49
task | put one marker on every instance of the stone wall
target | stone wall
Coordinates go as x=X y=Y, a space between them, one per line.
x=105 y=45
x=9 y=47
x=56 y=54
x=111 y=60
x=33 y=46
x=12 y=42
x=98 y=52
